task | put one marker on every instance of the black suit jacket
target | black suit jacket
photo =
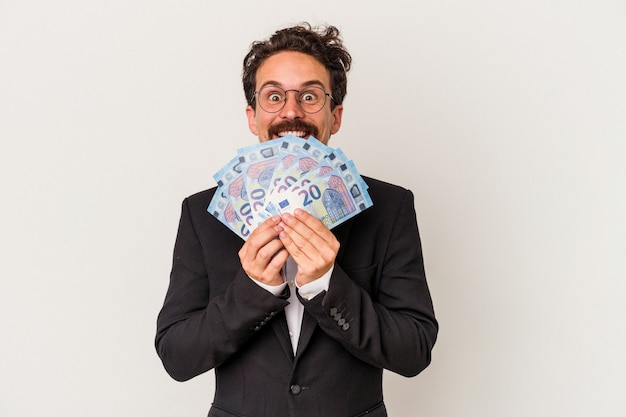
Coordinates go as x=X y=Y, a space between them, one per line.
x=377 y=314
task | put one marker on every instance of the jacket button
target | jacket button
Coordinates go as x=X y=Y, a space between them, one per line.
x=333 y=311
x=295 y=389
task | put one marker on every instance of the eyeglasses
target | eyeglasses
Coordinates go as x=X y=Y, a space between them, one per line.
x=272 y=99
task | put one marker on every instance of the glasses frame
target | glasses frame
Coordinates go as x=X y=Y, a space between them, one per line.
x=256 y=94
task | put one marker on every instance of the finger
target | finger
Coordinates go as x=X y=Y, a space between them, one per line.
x=296 y=238
x=267 y=264
x=260 y=255
x=293 y=242
x=303 y=241
x=310 y=249
x=313 y=223
x=260 y=237
x=310 y=236
x=266 y=229
x=278 y=261
x=306 y=230
x=266 y=254
x=313 y=261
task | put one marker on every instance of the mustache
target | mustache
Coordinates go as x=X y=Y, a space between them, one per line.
x=293 y=125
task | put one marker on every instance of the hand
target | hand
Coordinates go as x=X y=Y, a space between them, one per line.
x=309 y=242
x=263 y=256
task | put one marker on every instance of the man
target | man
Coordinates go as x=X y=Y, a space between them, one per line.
x=298 y=320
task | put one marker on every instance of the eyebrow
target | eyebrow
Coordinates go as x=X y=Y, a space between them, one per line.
x=305 y=84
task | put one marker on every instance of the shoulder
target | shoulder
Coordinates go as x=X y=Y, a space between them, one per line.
x=382 y=185
x=195 y=206
x=200 y=199
x=195 y=212
x=385 y=192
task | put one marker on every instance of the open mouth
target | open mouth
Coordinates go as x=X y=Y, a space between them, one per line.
x=295 y=128
x=299 y=133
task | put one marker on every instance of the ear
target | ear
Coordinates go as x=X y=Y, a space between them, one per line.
x=336 y=114
x=251 y=115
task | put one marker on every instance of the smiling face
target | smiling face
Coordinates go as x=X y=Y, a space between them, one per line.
x=291 y=70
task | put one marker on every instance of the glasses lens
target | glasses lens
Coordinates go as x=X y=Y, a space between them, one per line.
x=312 y=99
x=272 y=99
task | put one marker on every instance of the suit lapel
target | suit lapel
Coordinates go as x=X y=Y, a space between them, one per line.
x=306 y=331
x=279 y=325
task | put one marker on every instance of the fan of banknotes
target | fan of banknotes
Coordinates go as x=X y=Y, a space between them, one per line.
x=280 y=175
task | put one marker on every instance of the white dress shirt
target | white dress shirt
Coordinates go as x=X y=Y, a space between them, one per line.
x=295 y=309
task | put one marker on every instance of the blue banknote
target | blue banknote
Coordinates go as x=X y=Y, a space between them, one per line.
x=283 y=174
x=230 y=182
x=223 y=210
x=297 y=157
x=258 y=168
x=332 y=194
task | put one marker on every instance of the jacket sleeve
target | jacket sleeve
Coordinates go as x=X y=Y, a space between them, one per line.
x=199 y=327
x=382 y=313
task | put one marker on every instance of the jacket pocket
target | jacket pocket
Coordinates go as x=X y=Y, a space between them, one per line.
x=218 y=412
x=379 y=410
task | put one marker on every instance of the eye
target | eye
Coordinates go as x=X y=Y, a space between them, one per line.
x=309 y=96
x=274 y=97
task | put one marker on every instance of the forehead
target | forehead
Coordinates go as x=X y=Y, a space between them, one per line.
x=290 y=69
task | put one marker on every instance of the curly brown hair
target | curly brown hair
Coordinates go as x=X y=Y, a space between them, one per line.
x=323 y=43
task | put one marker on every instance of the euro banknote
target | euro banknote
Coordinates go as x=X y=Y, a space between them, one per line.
x=283 y=174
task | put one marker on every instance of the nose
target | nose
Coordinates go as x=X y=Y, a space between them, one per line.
x=292 y=109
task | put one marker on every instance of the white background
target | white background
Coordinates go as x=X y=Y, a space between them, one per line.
x=506 y=119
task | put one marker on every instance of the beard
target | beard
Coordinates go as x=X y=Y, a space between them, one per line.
x=293 y=126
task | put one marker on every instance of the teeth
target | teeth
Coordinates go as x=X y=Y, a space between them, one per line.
x=300 y=134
